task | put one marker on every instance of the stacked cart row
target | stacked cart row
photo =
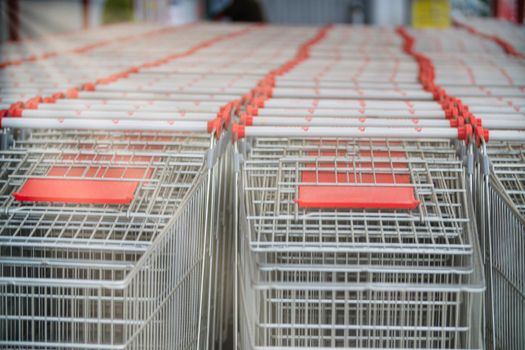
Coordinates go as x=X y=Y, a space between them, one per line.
x=355 y=224
x=483 y=65
x=284 y=187
x=112 y=181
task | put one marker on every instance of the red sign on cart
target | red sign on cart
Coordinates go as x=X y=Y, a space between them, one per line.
x=386 y=190
x=102 y=184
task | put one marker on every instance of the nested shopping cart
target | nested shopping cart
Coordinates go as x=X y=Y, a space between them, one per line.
x=354 y=218
x=501 y=217
x=349 y=241
x=108 y=239
x=111 y=223
x=145 y=265
x=510 y=36
x=490 y=79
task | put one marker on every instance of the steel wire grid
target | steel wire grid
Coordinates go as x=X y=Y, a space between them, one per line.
x=109 y=276
x=323 y=278
x=508 y=166
x=502 y=227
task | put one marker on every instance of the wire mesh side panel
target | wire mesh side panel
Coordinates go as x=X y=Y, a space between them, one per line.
x=508 y=165
x=348 y=319
x=168 y=286
x=247 y=307
x=221 y=292
x=312 y=312
x=504 y=265
x=48 y=317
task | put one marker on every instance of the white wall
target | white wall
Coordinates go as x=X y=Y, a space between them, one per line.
x=390 y=12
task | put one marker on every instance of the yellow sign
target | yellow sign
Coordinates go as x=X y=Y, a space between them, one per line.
x=430 y=13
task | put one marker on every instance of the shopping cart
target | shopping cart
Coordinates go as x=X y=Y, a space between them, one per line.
x=111 y=225
x=488 y=78
x=501 y=218
x=324 y=267
x=354 y=222
x=106 y=271
x=146 y=265
x=508 y=35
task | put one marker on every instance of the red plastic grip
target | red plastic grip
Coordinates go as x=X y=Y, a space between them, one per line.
x=246 y=119
x=89 y=87
x=15 y=110
x=3 y=113
x=49 y=99
x=456 y=123
x=226 y=114
x=464 y=132
x=238 y=132
x=215 y=124
x=72 y=93
x=475 y=121
x=259 y=102
x=33 y=102
x=482 y=133
x=252 y=110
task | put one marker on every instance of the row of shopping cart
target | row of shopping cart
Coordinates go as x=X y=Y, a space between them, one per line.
x=112 y=229
x=497 y=88
x=509 y=36
x=304 y=182
x=355 y=222
x=367 y=166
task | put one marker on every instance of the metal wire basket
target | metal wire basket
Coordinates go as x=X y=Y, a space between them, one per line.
x=357 y=278
x=501 y=219
x=106 y=276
